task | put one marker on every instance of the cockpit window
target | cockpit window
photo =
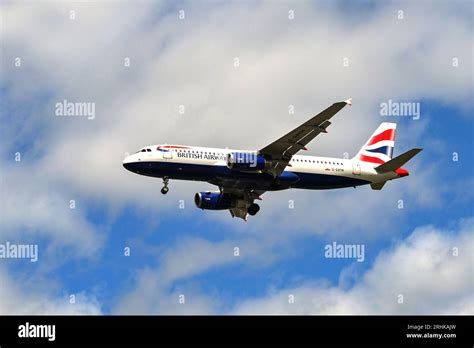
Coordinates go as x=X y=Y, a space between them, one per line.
x=148 y=150
x=143 y=150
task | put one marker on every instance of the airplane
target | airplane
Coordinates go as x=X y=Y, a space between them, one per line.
x=244 y=175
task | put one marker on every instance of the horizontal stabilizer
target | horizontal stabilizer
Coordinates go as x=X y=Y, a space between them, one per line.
x=378 y=185
x=397 y=162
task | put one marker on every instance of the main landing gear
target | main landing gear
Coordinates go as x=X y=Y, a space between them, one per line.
x=165 y=188
x=253 y=209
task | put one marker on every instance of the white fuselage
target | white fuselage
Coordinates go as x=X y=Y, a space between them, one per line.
x=200 y=163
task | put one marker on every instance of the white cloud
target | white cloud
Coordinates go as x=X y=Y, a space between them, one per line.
x=34 y=208
x=151 y=296
x=36 y=299
x=155 y=290
x=421 y=268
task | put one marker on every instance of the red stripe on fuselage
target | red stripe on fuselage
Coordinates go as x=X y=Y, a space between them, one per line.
x=388 y=134
x=174 y=147
x=371 y=159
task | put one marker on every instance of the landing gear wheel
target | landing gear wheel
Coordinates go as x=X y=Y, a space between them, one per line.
x=253 y=209
x=165 y=188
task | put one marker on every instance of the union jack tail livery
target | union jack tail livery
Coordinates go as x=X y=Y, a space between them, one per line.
x=379 y=148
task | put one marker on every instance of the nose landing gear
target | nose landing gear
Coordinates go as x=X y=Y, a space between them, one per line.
x=165 y=188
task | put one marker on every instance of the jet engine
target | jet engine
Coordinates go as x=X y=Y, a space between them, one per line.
x=247 y=162
x=213 y=200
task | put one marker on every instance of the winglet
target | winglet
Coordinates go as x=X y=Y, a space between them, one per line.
x=348 y=101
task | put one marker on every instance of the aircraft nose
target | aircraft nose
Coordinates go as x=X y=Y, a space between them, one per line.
x=127 y=163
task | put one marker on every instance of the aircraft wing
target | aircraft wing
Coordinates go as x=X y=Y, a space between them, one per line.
x=281 y=150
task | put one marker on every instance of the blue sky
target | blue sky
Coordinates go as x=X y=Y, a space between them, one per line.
x=190 y=62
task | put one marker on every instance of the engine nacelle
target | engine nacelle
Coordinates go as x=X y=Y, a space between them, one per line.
x=246 y=161
x=212 y=200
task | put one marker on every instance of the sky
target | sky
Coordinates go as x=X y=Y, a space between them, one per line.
x=110 y=243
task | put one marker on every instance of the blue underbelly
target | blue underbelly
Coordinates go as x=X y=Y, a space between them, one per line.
x=223 y=176
x=326 y=181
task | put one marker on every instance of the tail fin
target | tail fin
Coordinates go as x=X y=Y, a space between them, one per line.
x=379 y=148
